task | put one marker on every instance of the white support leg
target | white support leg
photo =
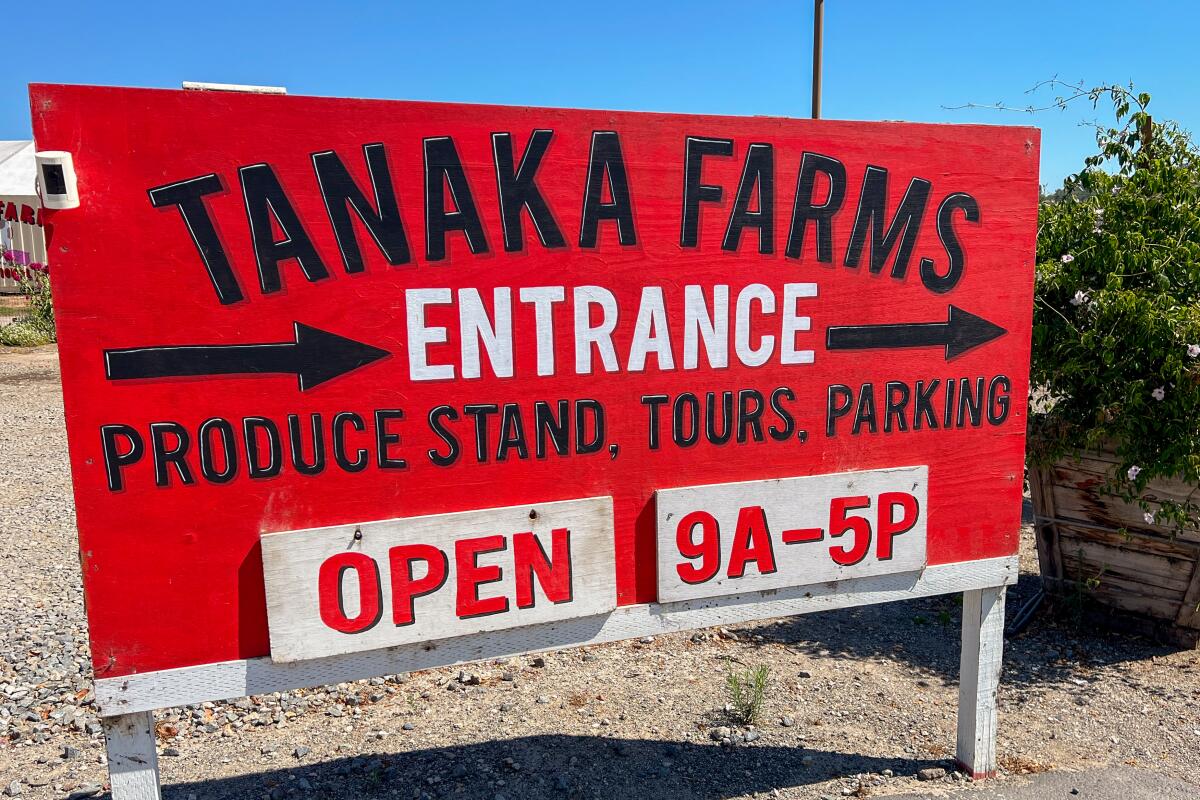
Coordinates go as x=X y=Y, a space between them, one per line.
x=982 y=653
x=132 y=757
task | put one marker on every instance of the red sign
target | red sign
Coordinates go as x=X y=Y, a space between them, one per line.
x=286 y=313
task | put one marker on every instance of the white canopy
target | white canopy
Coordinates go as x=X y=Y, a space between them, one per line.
x=18 y=169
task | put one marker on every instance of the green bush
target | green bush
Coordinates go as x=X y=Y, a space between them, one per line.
x=1116 y=338
x=36 y=287
x=37 y=328
x=24 y=333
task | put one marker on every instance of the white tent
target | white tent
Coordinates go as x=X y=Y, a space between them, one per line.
x=18 y=170
x=21 y=244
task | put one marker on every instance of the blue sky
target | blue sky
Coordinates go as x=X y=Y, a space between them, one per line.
x=884 y=60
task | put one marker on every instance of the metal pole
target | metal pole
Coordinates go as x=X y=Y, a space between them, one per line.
x=818 y=26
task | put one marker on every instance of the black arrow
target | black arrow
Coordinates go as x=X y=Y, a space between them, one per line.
x=960 y=332
x=314 y=357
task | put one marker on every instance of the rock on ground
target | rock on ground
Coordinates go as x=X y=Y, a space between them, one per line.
x=859 y=700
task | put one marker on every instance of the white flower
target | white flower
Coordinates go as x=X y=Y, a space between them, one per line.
x=1080 y=297
x=1159 y=393
x=1193 y=350
x=1067 y=258
x=1148 y=517
x=1134 y=472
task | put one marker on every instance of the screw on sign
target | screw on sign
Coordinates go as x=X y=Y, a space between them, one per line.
x=433 y=383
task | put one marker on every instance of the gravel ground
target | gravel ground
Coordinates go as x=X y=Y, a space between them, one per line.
x=859 y=701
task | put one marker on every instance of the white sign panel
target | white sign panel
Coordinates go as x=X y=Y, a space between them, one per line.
x=731 y=538
x=348 y=588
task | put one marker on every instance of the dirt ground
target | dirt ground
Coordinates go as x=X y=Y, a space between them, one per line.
x=858 y=702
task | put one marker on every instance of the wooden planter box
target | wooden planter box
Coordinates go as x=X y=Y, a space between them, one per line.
x=1096 y=548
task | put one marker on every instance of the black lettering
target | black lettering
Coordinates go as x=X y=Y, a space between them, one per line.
x=834 y=408
x=653 y=402
x=695 y=192
x=954 y=250
x=436 y=415
x=552 y=427
x=512 y=433
x=361 y=457
x=341 y=194
x=748 y=416
x=685 y=403
x=583 y=445
x=895 y=400
x=266 y=201
x=970 y=404
x=164 y=455
x=228 y=447
x=710 y=417
x=317 y=465
x=785 y=416
x=255 y=468
x=998 y=400
x=758 y=177
x=385 y=439
x=805 y=210
x=518 y=191
x=864 y=414
x=480 y=412
x=443 y=167
x=114 y=459
x=948 y=418
x=923 y=406
x=606 y=165
x=904 y=227
x=188 y=196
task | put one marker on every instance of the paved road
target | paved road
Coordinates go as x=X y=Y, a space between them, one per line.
x=1109 y=783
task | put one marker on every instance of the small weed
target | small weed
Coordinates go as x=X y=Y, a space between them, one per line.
x=747 y=692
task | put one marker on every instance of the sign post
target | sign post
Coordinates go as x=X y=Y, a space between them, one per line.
x=378 y=375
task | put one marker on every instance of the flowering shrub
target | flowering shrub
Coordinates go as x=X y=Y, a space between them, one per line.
x=38 y=327
x=1116 y=338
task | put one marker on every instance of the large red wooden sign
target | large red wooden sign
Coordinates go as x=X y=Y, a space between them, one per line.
x=342 y=374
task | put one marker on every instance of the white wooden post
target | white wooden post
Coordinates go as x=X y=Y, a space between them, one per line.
x=979 y=677
x=132 y=757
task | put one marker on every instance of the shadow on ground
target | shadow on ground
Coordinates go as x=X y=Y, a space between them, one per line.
x=582 y=767
x=924 y=634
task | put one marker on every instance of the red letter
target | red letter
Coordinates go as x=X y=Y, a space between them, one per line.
x=470 y=576
x=329 y=592
x=839 y=523
x=889 y=528
x=405 y=589
x=751 y=542
x=554 y=573
x=708 y=549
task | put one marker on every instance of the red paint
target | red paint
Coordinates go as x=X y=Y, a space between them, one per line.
x=406 y=588
x=707 y=547
x=889 y=528
x=193 y=548
x=552 y=572
x=331 y=589
x=751 y=543
x=472 y=576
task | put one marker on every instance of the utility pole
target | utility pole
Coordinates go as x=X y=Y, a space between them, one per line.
x=818 y=25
